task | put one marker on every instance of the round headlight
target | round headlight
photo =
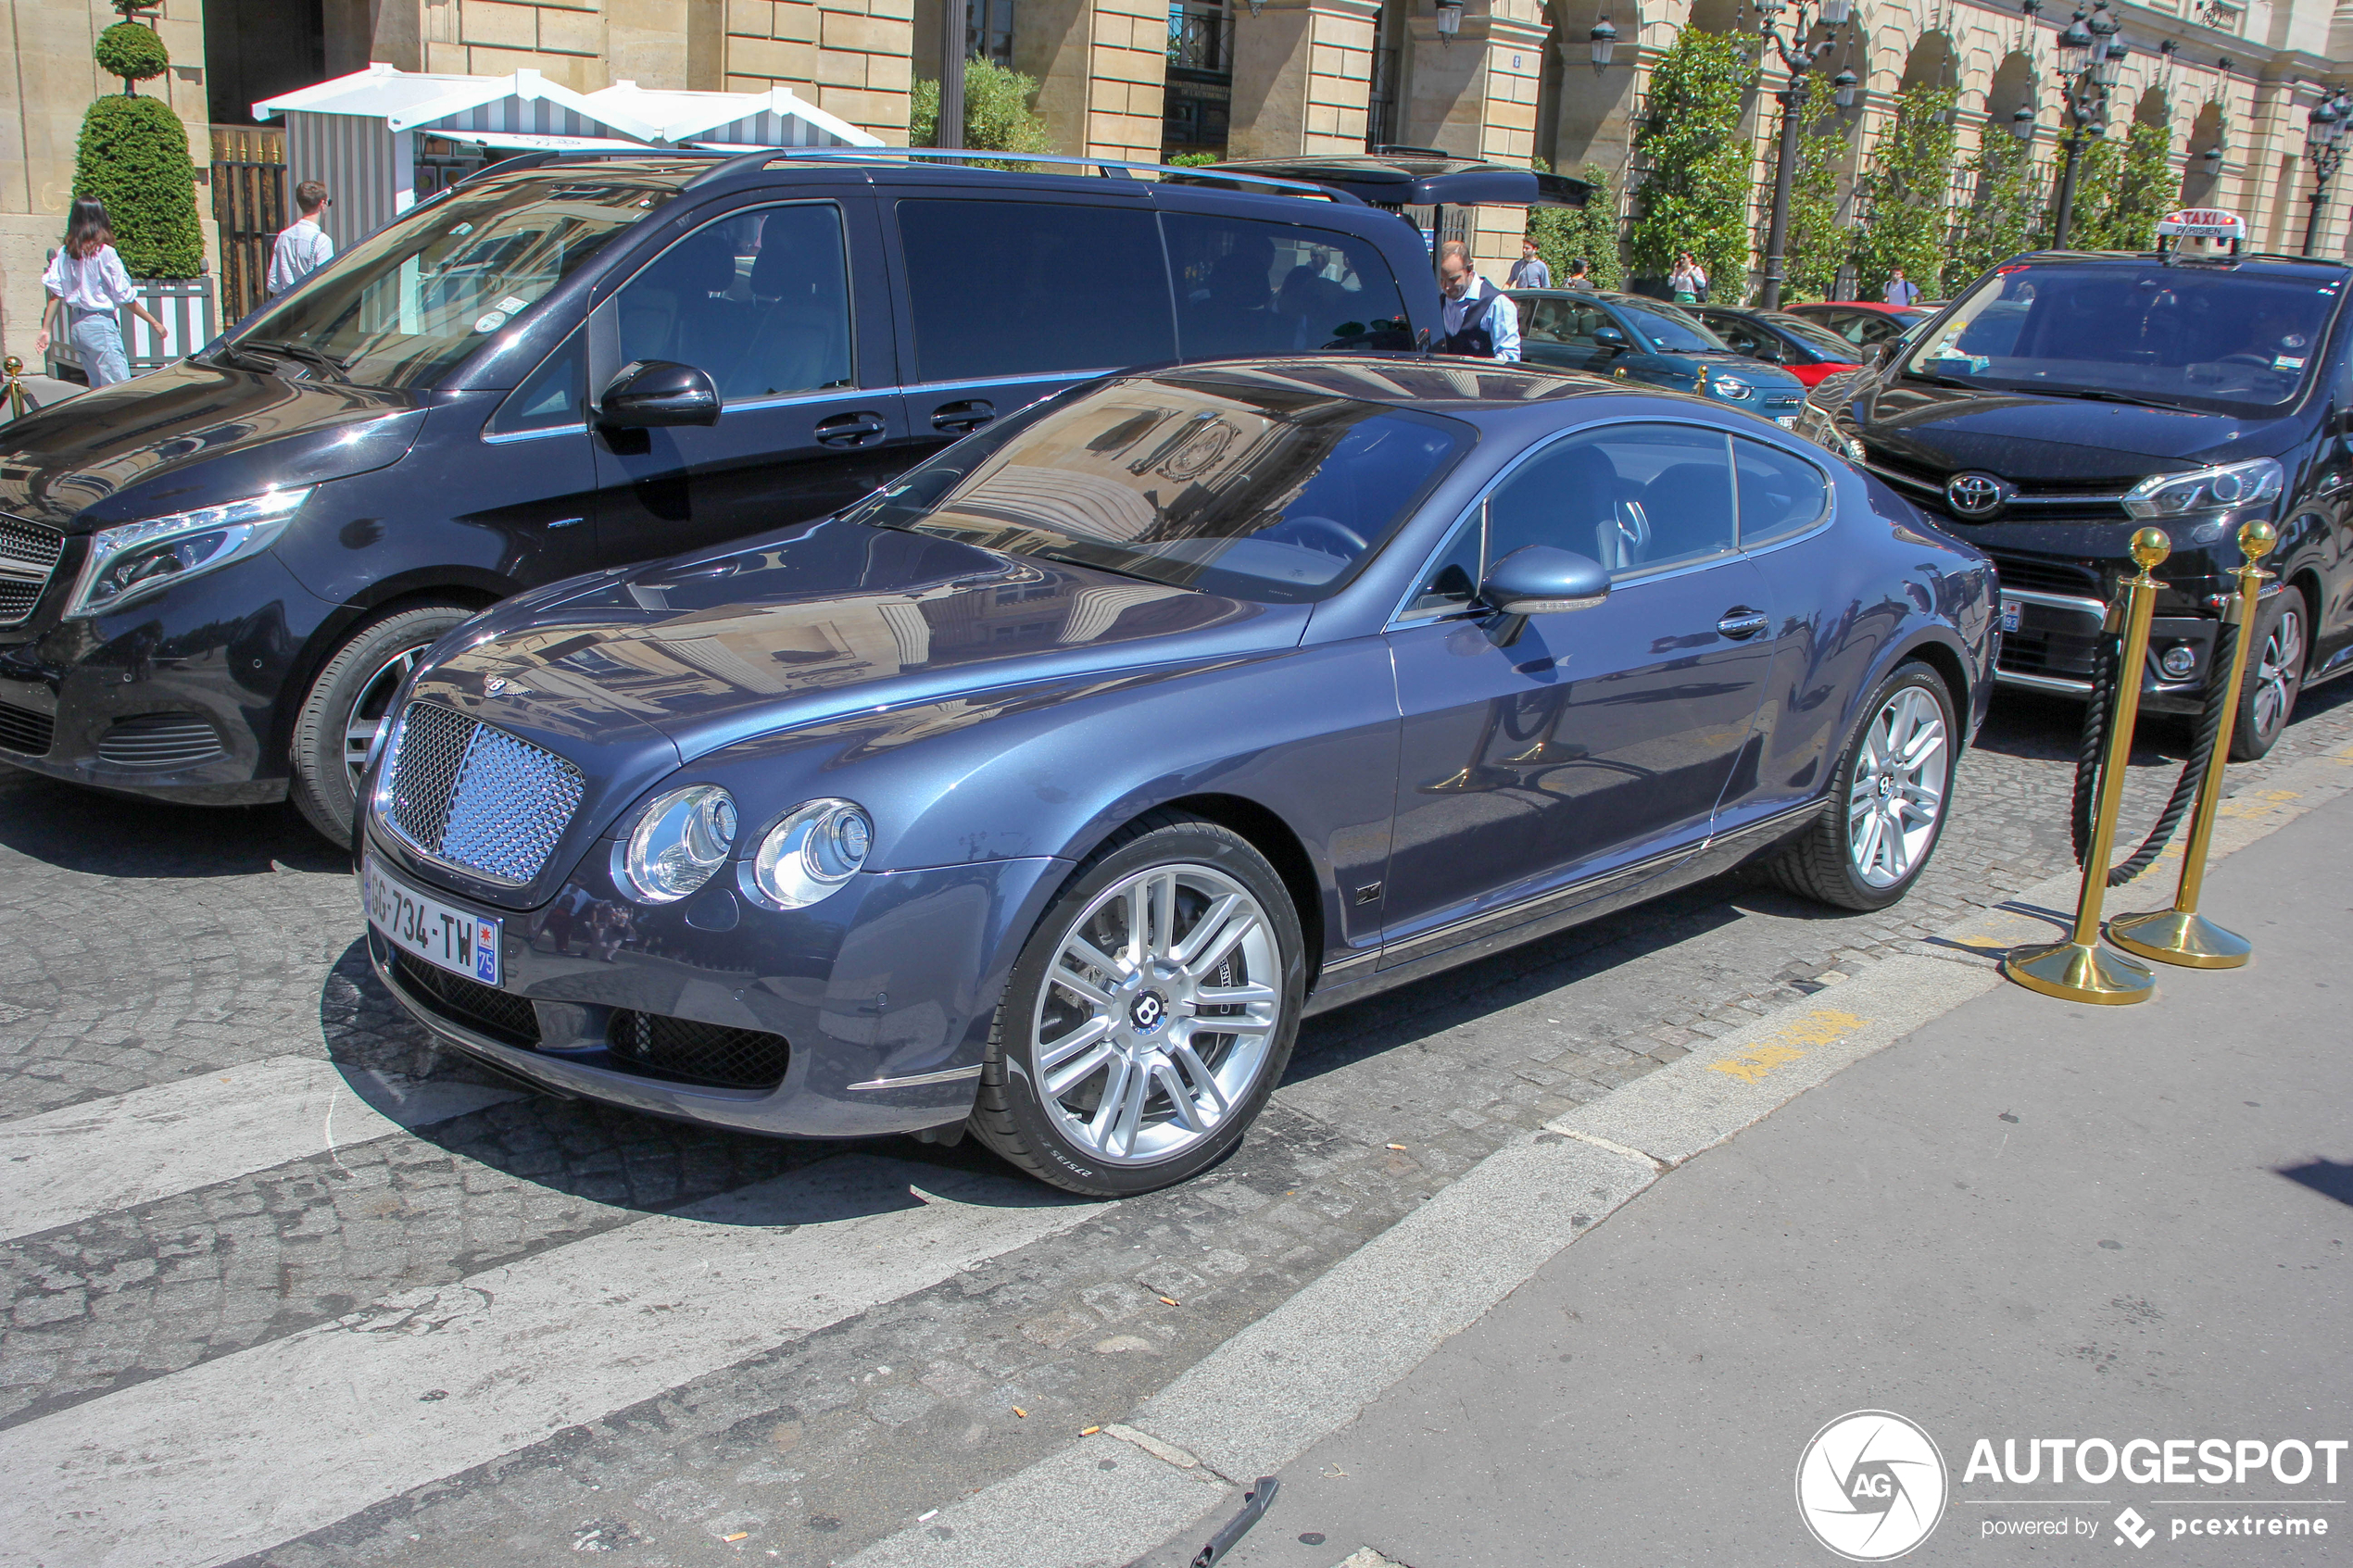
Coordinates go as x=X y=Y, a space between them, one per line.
x=681 y=838
x=1732 y=387
x=818 y=847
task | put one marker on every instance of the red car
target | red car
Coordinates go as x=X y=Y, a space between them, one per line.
x=1806 y=349
x=1863 y=322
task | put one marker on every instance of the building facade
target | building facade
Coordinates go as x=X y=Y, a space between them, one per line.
x=1140 y=80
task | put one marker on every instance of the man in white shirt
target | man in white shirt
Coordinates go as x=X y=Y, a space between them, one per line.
x=303 y=248
x=1476 y=318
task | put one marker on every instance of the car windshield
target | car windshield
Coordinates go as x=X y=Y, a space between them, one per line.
x=1254 y=493
x=2202 y=337
x=1670 y=330
x=413 y=299
x=1813 y=334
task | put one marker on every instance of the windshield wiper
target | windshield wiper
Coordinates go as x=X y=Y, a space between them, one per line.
x=1934 y=380
x=300 y=351
x=231 y=355
x=2099 y=394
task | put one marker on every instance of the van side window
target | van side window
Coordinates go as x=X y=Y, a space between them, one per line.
x=552 y=396
x=1245 y=287
x=759 y=301
x=1009 y=288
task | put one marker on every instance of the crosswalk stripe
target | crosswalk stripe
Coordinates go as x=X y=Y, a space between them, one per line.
x=64 y=1166
x=239 y=1454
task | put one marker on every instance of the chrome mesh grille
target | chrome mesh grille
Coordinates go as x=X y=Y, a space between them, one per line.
x=476 y=797
x=29 y=553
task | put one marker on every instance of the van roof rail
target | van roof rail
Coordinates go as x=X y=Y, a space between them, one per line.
x=1111 y=168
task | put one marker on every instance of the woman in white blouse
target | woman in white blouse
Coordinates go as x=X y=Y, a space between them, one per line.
x=87 y=279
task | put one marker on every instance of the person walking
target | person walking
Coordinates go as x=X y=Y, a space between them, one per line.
x=88 y=286
x=1478 y=317
x=302 y=247
x=1689 y=281
x=1901 y=290
x=1530 y=271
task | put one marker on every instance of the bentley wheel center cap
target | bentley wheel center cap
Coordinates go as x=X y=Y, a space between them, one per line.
x=1147 y=1012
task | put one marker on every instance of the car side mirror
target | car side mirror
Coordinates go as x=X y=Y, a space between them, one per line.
x=1764 y=356
x=1539 y=579
x=1609 y=338
x=658 y=392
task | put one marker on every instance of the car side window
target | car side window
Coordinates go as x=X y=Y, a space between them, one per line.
x=758 y=301
x=552 y=397
x=1274 y=288
x=1009 y=288
x=1565 y=321
x=1453 y=579
x=1635 y=498
x=1780 y=495
x=1737 y=335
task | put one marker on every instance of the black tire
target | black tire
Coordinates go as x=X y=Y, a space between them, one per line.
x=2275 y=660
x=1822 y=863
x=1012 y=1116
x=356 y=682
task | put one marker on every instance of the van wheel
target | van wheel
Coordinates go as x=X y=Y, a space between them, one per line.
x=1149 y=1016
x=2275 y=676
x=1886 y=809
x=349 y=704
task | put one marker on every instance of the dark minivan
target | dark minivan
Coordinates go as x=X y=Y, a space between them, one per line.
x=2070 y=398
x=213 y=578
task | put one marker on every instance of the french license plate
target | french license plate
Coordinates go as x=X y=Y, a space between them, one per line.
x=443 y=935
x=2009 y=614
x=1787 y=422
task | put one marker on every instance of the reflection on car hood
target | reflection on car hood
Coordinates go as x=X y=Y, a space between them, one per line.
x=828 y=618
x=2054 y=439
x=191 y=435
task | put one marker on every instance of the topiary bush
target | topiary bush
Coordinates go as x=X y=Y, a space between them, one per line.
x=2005 y=213
x=1907 y=194
x=133 y=53
x=1695 y=195
x=998 y=117
x=134 y=156
x=1817 y=243
x=1588 y=233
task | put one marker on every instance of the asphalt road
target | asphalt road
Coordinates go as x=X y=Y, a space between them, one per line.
x=2029 y=1220
x=286 y=1285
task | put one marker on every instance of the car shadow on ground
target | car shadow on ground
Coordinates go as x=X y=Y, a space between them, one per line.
x=86 y=830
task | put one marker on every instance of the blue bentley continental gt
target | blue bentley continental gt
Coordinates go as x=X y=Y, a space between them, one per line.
x=1043 y=792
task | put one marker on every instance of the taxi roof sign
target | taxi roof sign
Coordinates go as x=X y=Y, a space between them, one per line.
x=2203 y=223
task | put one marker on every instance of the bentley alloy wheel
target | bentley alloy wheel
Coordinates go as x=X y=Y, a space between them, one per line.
x=1150 y=1015
x=1152 y=1027
x=1896 y=799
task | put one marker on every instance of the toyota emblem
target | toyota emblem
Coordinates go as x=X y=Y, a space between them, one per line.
x=1976 y=495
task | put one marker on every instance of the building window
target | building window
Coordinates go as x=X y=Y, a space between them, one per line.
x=1200 y=94
x=989 y=31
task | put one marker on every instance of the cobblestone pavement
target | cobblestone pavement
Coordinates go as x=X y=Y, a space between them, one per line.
x=139 y=945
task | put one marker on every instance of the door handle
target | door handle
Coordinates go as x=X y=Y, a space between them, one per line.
x=962 y=418
x=1741 y=623
x=850 y=430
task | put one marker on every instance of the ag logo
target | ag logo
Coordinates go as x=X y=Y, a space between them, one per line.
x=1870 y=1486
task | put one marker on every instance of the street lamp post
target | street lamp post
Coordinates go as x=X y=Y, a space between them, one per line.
x=1797 y=59
x=2091 y=58
x=2323 y=147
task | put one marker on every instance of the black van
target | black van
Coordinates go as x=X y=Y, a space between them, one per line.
x=2070 y=399
x=213 y=577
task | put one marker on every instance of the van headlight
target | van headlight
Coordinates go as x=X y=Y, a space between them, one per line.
x=2207 y=490
x=681 y=838
x=816 y=847
x=139 y=558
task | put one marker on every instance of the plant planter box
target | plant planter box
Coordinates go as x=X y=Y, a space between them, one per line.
x=184 y=305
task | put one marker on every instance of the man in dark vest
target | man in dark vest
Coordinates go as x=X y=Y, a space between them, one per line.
x=1476 y=317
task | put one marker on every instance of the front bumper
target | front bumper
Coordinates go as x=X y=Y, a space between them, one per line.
x=2053 y=646
x=882 y=995
x=175 y=698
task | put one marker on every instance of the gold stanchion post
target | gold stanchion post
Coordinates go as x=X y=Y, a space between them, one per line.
x=14 y=368
x=2080 y=970
x=2182 y=935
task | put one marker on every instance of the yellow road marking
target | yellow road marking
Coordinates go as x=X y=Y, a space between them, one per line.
x=1781 y=1047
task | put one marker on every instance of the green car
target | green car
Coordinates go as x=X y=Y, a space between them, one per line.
x=1635 y=338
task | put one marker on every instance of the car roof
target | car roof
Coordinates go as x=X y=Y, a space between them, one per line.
x=2259 y=262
